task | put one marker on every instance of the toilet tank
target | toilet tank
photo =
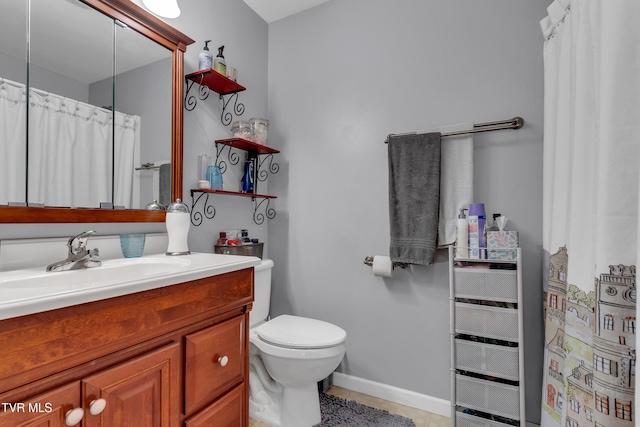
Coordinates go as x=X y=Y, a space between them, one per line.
x=262 y=292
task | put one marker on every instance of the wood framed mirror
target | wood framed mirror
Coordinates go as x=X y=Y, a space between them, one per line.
x=131 y=16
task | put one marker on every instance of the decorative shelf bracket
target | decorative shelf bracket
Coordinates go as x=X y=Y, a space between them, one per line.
x=232 y=157
x=269 y=212
x=208 y=210
x=226 y=117
x=190 y=101
x=263 y=173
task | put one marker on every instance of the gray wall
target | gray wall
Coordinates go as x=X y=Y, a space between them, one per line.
x=341 y=77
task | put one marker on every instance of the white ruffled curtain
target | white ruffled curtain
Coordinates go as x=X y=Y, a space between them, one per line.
x=590 y=211
x=70 y=150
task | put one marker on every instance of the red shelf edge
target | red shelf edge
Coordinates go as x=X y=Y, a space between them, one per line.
x=244 y=143
x=216 y=81
x=231 y=193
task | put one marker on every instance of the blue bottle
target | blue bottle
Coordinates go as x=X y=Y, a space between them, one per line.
x=246 y=183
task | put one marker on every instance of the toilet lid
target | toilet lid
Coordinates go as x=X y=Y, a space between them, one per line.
x=300 y=332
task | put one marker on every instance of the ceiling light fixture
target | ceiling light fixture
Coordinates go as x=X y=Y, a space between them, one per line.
x=164 y=8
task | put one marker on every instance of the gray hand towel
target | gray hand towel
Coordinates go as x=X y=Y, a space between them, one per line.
x=414 y=197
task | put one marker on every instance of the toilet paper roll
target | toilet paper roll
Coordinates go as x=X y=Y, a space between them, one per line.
x=382 y=266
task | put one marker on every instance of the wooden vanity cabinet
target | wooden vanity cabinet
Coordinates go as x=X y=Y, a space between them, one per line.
x=168 y=357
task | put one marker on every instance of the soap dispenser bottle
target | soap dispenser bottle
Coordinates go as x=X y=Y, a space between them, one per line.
x=205 y=58
x=219 y=64
x=462 y=235
x=178 y=221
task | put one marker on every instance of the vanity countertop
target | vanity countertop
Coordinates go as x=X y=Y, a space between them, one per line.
x=33 y=290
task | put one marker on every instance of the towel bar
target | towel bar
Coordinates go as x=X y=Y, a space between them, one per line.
x=368 y=260
x=515 y=123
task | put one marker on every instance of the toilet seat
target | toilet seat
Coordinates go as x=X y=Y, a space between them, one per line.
x=300 y=333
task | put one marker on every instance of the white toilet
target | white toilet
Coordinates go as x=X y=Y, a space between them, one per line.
x=288 y=356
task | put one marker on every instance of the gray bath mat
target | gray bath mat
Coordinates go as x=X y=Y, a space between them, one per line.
x=338 y=412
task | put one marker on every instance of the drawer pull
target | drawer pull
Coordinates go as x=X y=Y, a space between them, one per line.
x=73 y=416
x=223 y=360
x=97 y=406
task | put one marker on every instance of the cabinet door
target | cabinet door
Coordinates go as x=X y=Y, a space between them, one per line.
x=142 y=392
x=45 y=410
x=215 y=362
x=226 y=412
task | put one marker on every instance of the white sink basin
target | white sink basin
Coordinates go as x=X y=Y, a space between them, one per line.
x=34 y=290
x=111 y=271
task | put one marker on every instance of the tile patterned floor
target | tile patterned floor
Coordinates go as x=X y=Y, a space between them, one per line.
x=419 y=417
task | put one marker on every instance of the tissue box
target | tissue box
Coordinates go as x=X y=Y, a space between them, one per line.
x=502 y=245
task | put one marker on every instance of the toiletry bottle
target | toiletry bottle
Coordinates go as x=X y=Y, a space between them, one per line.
x=178 y=221
x=245 y=236
x=222 y=240
x=462 y=235
x=246 y=183
x=477 y=218
x=219 y=64
x=205 y=58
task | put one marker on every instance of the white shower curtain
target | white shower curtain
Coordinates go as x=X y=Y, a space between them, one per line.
x=13 y=153
x=70 y=150
x=590 y=211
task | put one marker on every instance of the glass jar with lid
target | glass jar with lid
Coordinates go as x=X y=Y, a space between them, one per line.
x=177 y=221
x=241 y=130
x=259 y=130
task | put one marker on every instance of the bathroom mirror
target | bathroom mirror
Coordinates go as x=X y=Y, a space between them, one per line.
x=130 y=66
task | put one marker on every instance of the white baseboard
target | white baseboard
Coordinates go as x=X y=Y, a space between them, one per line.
x=423 y=402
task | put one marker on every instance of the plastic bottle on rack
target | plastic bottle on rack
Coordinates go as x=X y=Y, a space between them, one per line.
x=477 y=218
x=462 y=235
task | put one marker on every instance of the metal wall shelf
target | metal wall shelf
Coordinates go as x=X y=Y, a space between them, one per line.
x=210 y=80
x=208 y=210
x=262 y=154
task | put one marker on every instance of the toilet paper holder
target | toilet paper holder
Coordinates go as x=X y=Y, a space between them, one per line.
x=368 y=260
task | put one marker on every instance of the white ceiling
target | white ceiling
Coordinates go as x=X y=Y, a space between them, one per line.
x=272 y=10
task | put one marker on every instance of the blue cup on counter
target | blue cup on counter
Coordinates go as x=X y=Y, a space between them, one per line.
x=132 y=245
x=214 y=176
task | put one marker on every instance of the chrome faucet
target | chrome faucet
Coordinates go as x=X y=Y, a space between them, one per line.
x=79 y=256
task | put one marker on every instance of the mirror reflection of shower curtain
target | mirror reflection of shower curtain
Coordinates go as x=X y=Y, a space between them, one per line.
x=12 y=142
x=126 y=182
x=70 y=152
x=69 y=148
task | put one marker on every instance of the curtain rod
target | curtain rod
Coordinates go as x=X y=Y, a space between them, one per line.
x=515 y=123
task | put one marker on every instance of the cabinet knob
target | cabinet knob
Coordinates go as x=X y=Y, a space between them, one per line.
x=97 y=406
x=223 y=360
x=73 y=416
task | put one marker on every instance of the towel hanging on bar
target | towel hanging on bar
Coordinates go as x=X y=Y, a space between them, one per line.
x=515 y=123
x=414 y=197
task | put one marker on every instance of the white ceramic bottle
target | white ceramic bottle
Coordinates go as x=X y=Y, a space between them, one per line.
x=178 y=222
